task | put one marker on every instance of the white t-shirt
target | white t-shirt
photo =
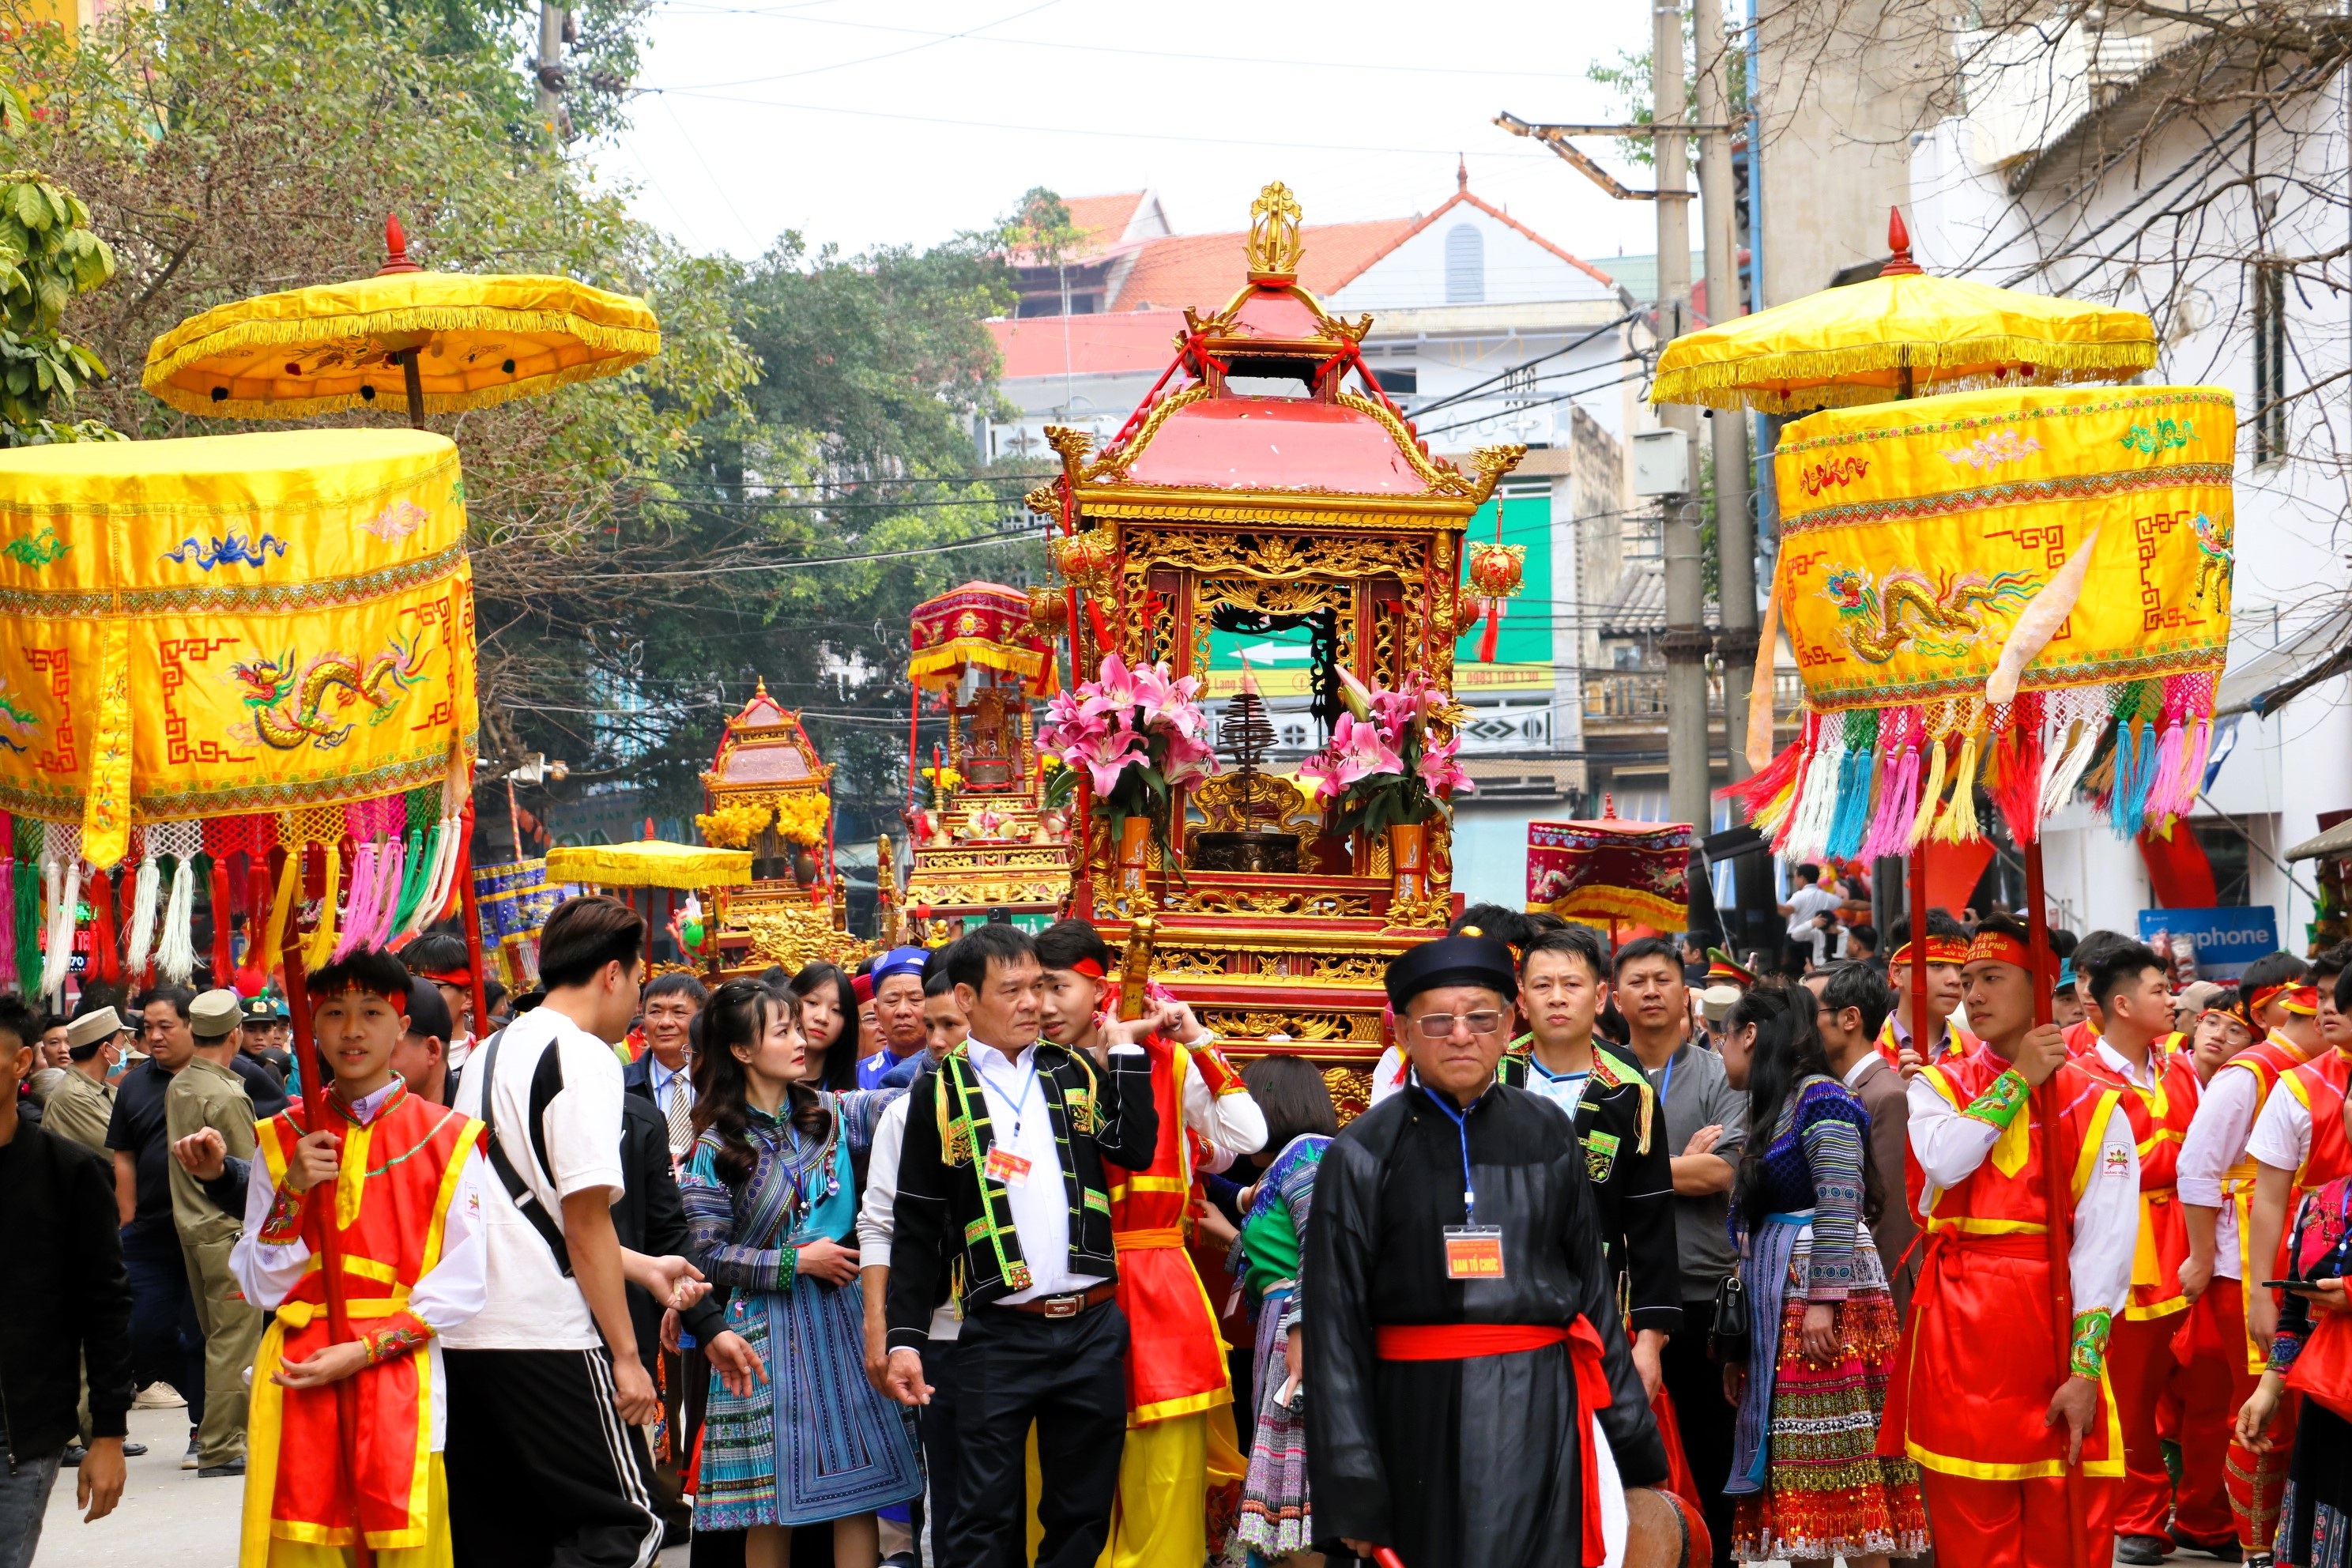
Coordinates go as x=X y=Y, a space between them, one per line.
x=532 y=1306
x=878 y=1218
x=1804 y=904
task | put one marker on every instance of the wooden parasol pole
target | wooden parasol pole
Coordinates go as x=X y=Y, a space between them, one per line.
x=316 y=1211
x=2046 y=1113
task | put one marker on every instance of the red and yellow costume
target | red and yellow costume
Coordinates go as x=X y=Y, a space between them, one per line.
x=1958 y=1041
x=404 y=1170
x=2142 y=1365
x=1980 y=1356
x=2223 y=1363
x=1180 y=1441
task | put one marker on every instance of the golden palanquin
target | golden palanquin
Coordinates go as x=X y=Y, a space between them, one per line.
x=1323 y=504
x=988 y=839
x=795 y=910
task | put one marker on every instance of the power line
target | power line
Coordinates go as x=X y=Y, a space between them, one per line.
x=797 y=562
x=1095 y=131
x=1221 y=59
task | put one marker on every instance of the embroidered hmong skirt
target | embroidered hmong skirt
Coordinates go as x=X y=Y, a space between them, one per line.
x=2315 y=1510
x=814 y=1442
x=1276 y=1519
x=1826 y=1493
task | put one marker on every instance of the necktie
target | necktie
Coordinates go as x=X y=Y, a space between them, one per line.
x=681 y=1119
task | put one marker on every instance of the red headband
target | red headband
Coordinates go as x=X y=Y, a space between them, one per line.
x=447 y=976
x=1090 y=968
x=1940 y=949
x=2296 y=998
x=1998 y=947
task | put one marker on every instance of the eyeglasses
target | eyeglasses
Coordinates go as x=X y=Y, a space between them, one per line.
x=1440 y=1026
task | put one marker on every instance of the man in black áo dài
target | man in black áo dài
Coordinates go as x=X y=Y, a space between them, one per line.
x=1472 y=1400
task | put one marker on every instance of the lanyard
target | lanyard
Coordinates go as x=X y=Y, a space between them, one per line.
x=1666 y=1084
x=1462 y=1128
x=1021 y=1098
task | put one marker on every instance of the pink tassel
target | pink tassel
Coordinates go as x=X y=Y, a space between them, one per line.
x=2192 y=777
x=359 y=912
x=2163 y=796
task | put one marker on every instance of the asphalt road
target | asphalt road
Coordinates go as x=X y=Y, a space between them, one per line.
x=168 y=1517
x=171 y=1519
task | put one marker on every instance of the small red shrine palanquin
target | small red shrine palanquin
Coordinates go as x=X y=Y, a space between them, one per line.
x=1219 y=505
x=1607 y=871
x=387 y=1212
x=985 y=830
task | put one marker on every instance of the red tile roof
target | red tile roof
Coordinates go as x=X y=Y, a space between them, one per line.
x=1099 y=345
x=1203 y=270
x=1104 y=219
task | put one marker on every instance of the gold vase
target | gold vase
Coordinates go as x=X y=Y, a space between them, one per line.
x=1408 y=862
x=1134 y=857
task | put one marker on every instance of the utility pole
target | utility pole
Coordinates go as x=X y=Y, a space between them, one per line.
x=551 y=20
x=1685 y=642
x=1735 y=525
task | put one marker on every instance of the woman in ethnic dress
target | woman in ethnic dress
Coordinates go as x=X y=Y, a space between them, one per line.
x=768 y=1192
x=1277 y=1520
x=1809 y=1484
x=829 y=1025
x=2316 y=1510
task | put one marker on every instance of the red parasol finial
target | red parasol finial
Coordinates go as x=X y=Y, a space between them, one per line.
x=1898 y=240
x=395 y=245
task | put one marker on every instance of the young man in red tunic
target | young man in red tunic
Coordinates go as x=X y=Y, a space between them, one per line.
x=399 y=1181
x=1179 y=1389
x=2128 y=987
x=1988 y=1401
x=2218 y=1177
x=1948 y=950
x=2298 y=1142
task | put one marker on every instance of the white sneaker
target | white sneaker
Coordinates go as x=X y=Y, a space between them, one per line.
x=158 y=1396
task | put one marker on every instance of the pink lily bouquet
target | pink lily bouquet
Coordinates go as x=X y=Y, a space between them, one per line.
x=1382 y=768
x=1139 y=735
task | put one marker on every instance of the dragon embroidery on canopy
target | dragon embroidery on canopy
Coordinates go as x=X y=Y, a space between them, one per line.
x=2215 y=557
x=291 y=709
x=1939 y=617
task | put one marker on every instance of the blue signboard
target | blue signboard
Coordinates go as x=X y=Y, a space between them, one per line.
x=2227 y=940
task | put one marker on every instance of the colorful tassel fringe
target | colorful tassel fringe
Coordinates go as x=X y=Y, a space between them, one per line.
x=1868 y=783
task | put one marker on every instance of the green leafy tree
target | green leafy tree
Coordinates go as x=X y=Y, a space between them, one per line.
x=47 y=255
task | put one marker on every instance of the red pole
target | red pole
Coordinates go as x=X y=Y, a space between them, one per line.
x=472 y=916
x=316 y=1212
x=2053 y=1188
x=1920 y=1041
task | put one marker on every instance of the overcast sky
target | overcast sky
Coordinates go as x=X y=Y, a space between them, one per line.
x=863 y=125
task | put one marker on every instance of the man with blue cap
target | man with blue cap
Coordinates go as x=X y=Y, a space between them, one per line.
x=1475 y=1403
x=898 y=977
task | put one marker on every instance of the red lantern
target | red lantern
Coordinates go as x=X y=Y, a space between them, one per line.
x=1496 y=572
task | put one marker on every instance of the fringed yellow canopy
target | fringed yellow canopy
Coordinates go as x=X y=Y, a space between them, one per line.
x=1857 y=344
x=478 y=341
x=649 y=863
x=229 y=626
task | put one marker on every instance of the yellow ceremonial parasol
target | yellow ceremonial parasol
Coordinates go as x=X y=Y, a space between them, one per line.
x=1897 y=335
x=649 y=863
x=448 y=341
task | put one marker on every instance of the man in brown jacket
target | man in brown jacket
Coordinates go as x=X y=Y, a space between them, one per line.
x=1853 y=1001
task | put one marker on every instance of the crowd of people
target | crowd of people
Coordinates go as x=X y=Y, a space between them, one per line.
x=946 y=1260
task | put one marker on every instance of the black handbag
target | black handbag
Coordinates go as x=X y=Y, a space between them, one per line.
x=1727 y=1336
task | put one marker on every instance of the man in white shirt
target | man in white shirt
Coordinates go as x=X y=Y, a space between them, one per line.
x=944 y=1028
x=1811 y=899
x=547 y=1391
x=1004 y=1163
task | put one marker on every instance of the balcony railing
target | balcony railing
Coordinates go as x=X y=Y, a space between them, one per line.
x=1642 y=693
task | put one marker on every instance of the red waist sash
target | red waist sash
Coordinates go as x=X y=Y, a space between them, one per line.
x=1461 y=1341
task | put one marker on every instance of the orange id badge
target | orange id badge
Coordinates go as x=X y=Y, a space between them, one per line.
x=1474 y=1252
x=1005 y=1166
